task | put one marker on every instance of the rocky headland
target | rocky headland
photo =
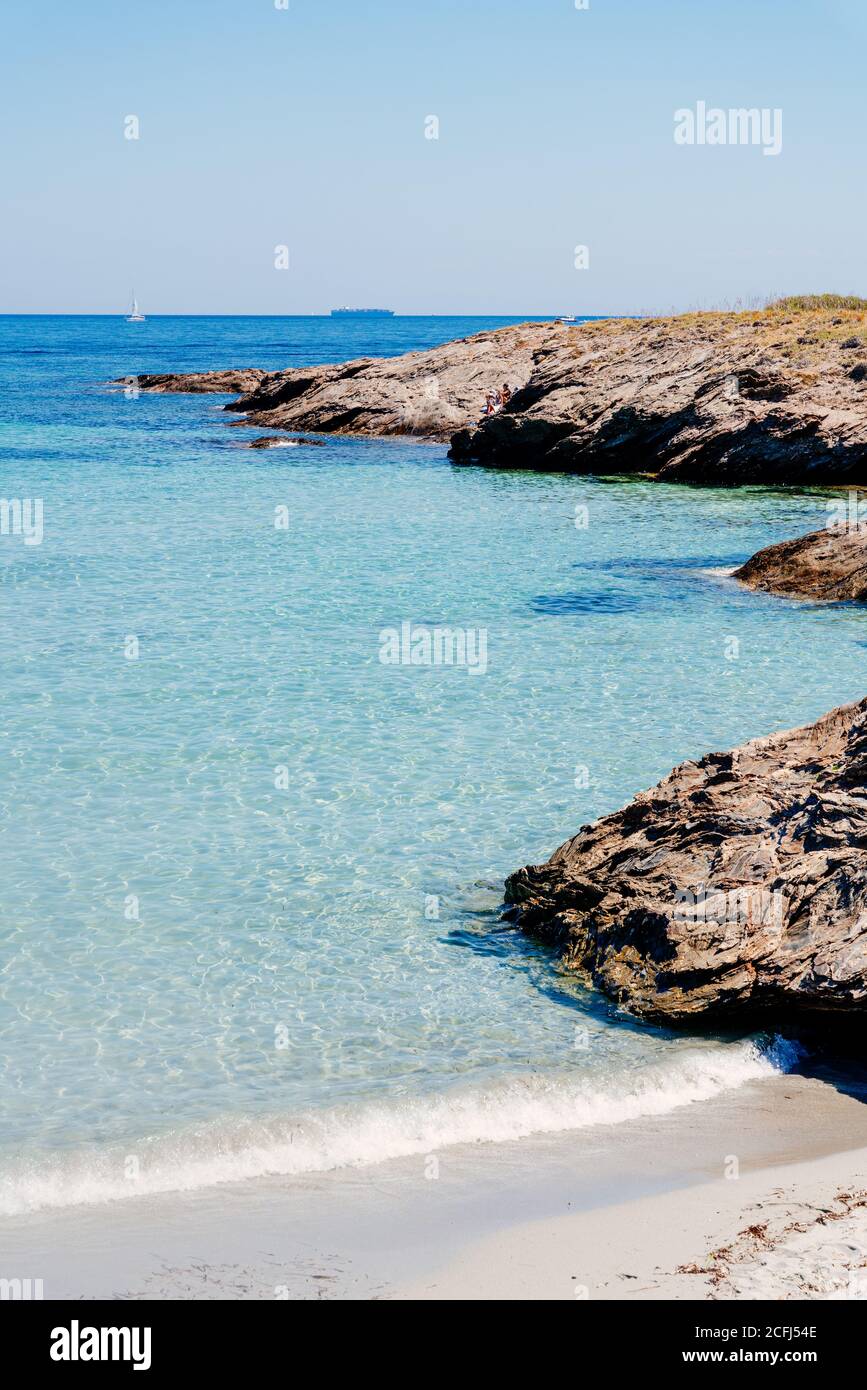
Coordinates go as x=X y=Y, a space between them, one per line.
x=725 y=399
x=736 y=889
x=767 y=396
x=431 y=394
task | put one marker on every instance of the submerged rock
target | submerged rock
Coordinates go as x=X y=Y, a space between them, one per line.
x=281 y=441
x=829 y=566
x=736 y=888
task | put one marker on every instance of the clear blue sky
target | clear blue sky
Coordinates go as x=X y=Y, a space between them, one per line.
x=305 y=127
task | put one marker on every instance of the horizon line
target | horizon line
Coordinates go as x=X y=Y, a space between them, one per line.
x=326 y=314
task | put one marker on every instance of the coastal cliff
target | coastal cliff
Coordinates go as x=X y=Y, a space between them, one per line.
x=736 y=888
x=766 y=396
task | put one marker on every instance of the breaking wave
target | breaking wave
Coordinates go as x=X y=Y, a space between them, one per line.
x=368 y=1133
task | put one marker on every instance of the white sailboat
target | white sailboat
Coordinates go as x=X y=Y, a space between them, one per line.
x=135 y=315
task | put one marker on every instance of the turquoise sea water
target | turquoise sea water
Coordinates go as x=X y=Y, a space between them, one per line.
x=251 y=874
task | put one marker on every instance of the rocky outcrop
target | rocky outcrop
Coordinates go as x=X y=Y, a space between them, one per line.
x=735 y=889
x=828 y=566
x=432 y=393
x=703 y=398
x=766 y=397
x=227 y=383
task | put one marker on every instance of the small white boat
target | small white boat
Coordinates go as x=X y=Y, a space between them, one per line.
x=566 y=318
x=135 y=315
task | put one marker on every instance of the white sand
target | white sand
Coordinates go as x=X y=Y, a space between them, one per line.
x=778 y=1233
x=612 y=1211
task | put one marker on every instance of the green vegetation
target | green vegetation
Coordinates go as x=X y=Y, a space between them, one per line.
x=806 y=303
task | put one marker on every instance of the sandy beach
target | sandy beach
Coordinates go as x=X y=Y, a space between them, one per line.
x=793 y=1231
x=632 y=1211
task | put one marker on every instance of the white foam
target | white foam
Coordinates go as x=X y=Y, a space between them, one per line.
x=354 y=1136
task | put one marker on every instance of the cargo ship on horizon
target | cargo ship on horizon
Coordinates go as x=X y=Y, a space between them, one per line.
x=363 y=313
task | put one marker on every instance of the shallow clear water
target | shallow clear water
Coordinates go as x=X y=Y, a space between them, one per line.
x=286 y=980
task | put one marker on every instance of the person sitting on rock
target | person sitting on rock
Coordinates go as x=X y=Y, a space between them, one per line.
x=506 y=393
x=489 y=403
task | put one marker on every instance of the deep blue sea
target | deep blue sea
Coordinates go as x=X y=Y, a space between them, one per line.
x=251 y=874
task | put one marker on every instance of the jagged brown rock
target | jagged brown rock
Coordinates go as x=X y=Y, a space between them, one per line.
x=228 y=382
x=829 y=566
x=735 y=889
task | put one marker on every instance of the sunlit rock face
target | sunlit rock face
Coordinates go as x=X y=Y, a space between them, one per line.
x=736 y=887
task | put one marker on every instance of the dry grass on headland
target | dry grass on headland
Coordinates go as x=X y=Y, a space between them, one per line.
x=798 y=327
x=806 y=303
